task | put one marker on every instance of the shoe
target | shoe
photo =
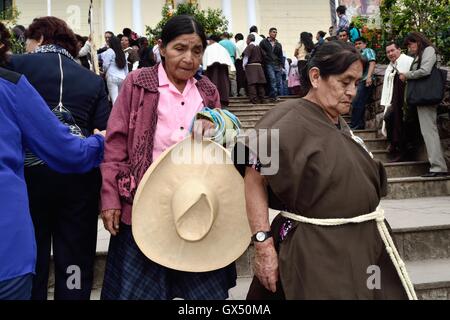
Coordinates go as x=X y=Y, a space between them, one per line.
x=435 y=174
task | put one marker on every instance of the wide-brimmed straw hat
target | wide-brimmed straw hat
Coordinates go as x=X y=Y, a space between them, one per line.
x=189 y=210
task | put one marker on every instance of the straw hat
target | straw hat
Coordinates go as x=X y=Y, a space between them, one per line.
x=189 y=210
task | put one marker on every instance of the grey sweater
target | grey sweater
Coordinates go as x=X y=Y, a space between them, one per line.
x=428 y=61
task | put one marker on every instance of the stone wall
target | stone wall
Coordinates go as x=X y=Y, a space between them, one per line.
x=374 y=111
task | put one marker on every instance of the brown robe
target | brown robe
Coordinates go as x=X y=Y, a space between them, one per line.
x=218 y=74
x=254 y=71
x=324 y=173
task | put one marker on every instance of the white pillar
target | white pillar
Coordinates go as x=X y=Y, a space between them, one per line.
x=49 y=7
x=137 y=17
x=251 y=13
x=109 y=12
x=227 y=12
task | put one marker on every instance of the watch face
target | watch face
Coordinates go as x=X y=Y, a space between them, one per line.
x=260 y=236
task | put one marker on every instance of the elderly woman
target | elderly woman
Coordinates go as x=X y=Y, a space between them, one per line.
x=323 y=178
x=424 y=59
x=153 y=112
x=64 y=207
x=26 y=121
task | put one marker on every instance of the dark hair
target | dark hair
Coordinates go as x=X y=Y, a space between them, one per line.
x=110 y=32
x=253 y=29
x=422 y=43
x=54 y=31
x=273 y=29
x=343 y=30
x=321 y=34
x=341 y=9
x=226 y=35
x=214 y=37
x=114 y=44
x=251 y=37
x=239 y=36
x=182 y=24
x=141 y=42
x=331 y=58
x=305 y=39
x=127 y=32
x=146 y=58
x=395 y=43
x=362 y=39
x=4 y=39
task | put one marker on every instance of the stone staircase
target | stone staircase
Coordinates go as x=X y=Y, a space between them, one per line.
x=418 y=210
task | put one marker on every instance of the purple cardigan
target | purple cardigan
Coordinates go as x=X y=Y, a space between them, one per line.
x=130 y=134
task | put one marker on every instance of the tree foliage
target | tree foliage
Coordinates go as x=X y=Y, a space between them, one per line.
x=9 y=18
x=212 y=20
x=430 y=17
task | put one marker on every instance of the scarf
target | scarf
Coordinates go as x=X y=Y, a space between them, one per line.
x=53 y=48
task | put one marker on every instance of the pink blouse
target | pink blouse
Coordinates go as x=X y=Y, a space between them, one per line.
x=175 y=112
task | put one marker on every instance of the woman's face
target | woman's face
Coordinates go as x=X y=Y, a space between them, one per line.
x=413 y=48
x=335 y=94
x=125 y=42
x=183 y=56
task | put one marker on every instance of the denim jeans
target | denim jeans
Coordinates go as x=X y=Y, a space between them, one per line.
x=275 y=81
x=359 y=106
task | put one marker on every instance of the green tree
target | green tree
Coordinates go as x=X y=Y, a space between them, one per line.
x=431 y=17
x=212 y=20
x=9 y=18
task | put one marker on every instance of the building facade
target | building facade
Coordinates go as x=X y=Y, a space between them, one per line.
x=290 y=17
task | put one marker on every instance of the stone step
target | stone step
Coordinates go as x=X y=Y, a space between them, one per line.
x=406 y=169
x=249 y=106
x=376 y=144
x=431 y=278
x=366 y=134
x=416 y=187
x=381 y=155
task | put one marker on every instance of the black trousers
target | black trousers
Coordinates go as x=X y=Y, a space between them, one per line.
x=65 y=211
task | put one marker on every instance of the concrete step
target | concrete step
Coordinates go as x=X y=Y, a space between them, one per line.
x=366 y=134
x=431 y=278
x=249 y=106
x=406 y=169
x=381 y=155
x=418 y=187
x=376 y=144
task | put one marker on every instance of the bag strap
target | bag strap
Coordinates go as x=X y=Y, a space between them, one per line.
x=60 y=104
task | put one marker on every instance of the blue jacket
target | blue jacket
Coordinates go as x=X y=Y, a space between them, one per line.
x=84 y=92
x=27 y=122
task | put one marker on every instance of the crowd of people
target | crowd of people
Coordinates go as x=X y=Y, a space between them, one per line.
x=59 y=166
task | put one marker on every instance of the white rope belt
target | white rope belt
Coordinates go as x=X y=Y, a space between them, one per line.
x=378 y=216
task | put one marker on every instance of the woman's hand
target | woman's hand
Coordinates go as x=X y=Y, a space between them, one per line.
x=402 y=77
x=101 y=133
x=203 y=128
x=111 y=220
x=266 y=264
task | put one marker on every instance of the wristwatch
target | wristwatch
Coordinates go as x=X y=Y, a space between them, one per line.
x=261 y=236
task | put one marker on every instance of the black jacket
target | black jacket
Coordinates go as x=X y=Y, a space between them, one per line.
x=84 y=93
x=272 y=55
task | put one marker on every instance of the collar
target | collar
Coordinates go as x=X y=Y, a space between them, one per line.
x=52 y=48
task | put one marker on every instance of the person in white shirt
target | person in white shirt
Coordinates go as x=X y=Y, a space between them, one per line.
x=115 y=67
x=258 y=38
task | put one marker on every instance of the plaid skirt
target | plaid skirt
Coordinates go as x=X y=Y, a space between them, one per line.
x=130 y=275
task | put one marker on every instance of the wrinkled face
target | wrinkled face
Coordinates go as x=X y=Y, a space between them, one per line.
x=273 y=34
x=125 y=42
x=343 y=36
x=393 y=53
x=183 y=56
x=413 y=47
x=360 y=45
x=335 y=93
